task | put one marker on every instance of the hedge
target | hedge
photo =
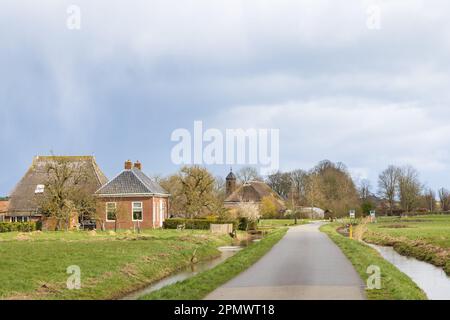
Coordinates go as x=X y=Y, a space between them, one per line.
x=199 y=224
x=17 y=226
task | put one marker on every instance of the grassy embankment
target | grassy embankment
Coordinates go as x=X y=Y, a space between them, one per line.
x=201 y=285
x=395 y=285
x=34 y=264
x=426 y=238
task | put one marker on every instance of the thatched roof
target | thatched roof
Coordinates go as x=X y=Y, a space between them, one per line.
x=23 y=197
x=4 y=205
x=254 y=191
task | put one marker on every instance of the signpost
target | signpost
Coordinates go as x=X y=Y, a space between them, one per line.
x=372 y=215
x=352 y=214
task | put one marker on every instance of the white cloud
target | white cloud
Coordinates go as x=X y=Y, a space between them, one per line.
x=361 y=133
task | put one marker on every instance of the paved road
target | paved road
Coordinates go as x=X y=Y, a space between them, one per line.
x=305 y=264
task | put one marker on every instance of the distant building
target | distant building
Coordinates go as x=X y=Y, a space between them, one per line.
x=250 y=192
x=24 y=199
x=132 y=200
x=4 y=203
x=311 y=212
x=230 y=183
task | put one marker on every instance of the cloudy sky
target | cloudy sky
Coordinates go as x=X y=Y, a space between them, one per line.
x=336 y=86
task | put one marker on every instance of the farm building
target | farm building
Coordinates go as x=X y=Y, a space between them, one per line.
x=250 y=192
x=131 y=200
x=24 y=199
x=4 y=203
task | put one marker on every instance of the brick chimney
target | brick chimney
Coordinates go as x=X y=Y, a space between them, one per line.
x=128 y=165
x=138 y=165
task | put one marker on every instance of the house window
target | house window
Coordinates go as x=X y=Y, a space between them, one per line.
x=39 y=188
x=137 y=211
x=19 y=219
x=111 y=211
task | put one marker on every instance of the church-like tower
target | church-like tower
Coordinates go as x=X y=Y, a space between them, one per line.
x=230 y=183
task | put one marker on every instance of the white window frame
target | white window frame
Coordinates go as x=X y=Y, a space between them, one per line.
x=19 y=219
x=132 y=211
x=106 y=211
x=40 y=188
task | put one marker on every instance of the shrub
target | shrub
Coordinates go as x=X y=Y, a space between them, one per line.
x=199 y=224
x=245 y=224
x=17 y=226
x=268 y=208
x=248 y=214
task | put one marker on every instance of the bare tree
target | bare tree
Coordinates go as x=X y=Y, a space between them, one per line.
x=364 y=189
x=444 y=199
x=314 y=195
x=430 y=200
x=197 y=190
x=334 y=188
x=280 y=182
x=121 y=213
x=388 y=184
x=247 y=174
x=66 y=193
x=299 y=187
x=409 y=188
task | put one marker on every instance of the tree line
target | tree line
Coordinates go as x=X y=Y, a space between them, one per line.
x=195 y=192
x=403 y=191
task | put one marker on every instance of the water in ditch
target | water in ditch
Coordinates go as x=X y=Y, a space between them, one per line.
x=431 y=279
x=193 y=269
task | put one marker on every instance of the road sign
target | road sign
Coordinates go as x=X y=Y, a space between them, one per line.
x=352 y=214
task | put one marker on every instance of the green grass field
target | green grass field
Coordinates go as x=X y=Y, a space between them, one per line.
x=34 y=264
x=395 y=285
x=201 y=285
x=424 y=237
x=274 y=223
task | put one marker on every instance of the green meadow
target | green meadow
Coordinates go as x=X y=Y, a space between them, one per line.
x=111 y=264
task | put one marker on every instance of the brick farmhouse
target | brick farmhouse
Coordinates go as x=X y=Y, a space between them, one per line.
x=131 y=200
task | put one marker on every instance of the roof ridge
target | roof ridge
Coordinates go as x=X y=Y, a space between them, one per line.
x=104 y=186
x=149 y=188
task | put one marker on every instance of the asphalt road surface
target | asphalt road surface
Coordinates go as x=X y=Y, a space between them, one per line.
x=304 y=265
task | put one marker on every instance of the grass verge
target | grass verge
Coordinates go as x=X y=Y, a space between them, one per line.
x=112 y=264
x=395 y=285
x=201 y=285
x=425 y=238
x=275 y=223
